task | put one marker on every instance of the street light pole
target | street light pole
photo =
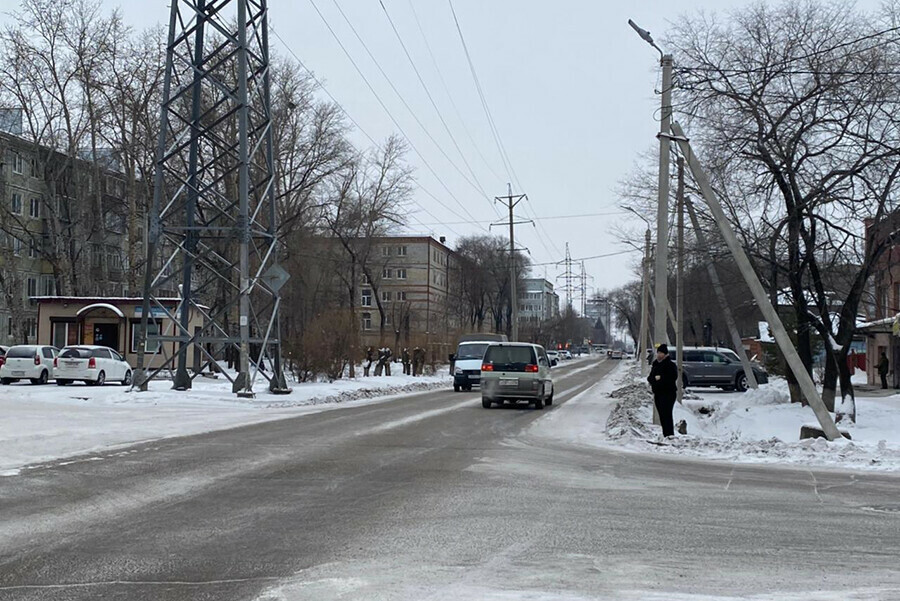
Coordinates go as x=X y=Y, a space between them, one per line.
x=660 y=273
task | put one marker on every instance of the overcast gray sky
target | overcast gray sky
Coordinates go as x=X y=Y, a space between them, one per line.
x=569 y=84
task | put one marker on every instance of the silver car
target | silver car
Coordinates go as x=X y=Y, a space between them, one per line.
x=516 y=371
x=716 y=367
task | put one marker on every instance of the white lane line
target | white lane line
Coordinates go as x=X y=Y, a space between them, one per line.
x=405 y=421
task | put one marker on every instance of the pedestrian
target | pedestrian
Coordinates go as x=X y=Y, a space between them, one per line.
x=404 y=357
x=387 y=360
x=663 y=380
x=883 y=366
x=379 y=366
x=418 y=360
x=370 y=358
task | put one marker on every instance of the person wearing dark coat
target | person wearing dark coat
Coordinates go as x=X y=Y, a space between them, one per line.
x=883 y=368
x=663 y=380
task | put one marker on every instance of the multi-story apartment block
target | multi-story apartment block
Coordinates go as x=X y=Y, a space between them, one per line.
x=406 y=298
x=883 y=331
x=58 y=233
x=537 y=301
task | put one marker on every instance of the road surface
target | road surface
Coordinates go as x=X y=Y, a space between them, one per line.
x=432 y=497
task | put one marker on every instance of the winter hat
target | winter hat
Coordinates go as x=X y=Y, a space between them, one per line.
x=662 y=348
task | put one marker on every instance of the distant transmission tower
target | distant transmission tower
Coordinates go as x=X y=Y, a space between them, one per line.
x=212 y=227
x=568 y=276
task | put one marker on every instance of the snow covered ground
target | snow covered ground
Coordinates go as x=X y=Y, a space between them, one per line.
x=43 y=423
x=760 y=426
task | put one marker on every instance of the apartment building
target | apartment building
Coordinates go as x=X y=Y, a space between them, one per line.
x=53 y=238
x=406 y=298
x=883 y=331
x=537 y=301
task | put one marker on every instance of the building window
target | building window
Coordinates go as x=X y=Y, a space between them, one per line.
x=366 y=297
x=63 y=333
x=31 y=327
x=365 y=279
x=153 y=329
x=401 y=251
x=366 y=321
x=34 y=208
x=48 y=286
x=31 y=287
x=387 y=273
x=386 y=296
x=385 y=251
x=96 y=255
x=401 y=295
x=18 y=163
x=401 y=274
x=32 y=249
x=16 y=204
x=17 y=246
x=113 y=258
x=387 y=320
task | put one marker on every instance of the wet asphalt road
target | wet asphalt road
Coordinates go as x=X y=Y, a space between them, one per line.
x=432 y=497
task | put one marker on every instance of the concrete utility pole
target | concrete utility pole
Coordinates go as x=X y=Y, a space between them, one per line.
x=511 y=201
x=645 y=306
x=662 y=210
x=759 y=293
x=679 y=284
x=723 y=301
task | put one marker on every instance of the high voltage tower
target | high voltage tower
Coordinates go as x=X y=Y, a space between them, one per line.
x=212 y=225
x=583 y=289
x=568 y=277
x=511 y=201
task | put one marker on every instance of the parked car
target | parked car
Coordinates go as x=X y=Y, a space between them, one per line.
x=94 y=365
x=708 y=366
x=616 y=355
x=565 y=354
x=553 y=356
x=31 y=361
x=515 y=371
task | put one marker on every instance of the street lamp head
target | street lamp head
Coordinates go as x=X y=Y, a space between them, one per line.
x=645 y=35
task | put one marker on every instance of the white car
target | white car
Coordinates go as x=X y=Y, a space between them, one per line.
x=31 y=361
x=94 y=365
x=565 y=354
x=553 y=356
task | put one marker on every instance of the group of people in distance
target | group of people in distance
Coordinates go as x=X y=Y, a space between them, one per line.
x=413 y=363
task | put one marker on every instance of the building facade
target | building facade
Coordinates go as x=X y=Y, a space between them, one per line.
x=63 y=225
x=883 y=330
x=537 y=301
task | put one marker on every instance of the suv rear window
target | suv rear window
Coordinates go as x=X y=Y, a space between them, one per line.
x=76 y=353
x=510 y=358
x=21 y=352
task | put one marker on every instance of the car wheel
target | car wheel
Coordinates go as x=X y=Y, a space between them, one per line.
x=549 y=400
x=6 y=381
x=740 y=383
x=101 y=379
x=456 y=388
x=486 y=402
x=61 y=382
x=127 y=380
x=42 y=379
x=538 y=404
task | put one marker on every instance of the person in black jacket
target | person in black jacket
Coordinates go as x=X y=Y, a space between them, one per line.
x=663 y=380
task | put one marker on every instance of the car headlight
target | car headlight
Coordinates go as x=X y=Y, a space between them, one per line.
x=458 y=371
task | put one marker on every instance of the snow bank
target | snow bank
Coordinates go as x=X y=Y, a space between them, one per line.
x=759 y=426
x=43 y=423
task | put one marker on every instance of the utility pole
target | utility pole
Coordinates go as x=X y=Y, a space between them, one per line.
x=756 y=288
x=679 y=283
x=662 y=211
x=510 y=201
x=645 y=306
x=567 y=276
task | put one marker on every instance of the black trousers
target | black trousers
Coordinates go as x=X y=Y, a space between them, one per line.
x=664 y=405
x=884 y=381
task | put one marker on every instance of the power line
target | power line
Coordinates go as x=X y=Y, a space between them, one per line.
x=545 y=218
x=390 y=115
x=440 y=115
x=369 y=137
x=603 y=256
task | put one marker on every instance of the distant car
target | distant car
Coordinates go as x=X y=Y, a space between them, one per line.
x=616 y=355
x=31 y=361
x=514 y=371
x=566 y=354
x=553 y=356
x=708 y=366
x=94 y=365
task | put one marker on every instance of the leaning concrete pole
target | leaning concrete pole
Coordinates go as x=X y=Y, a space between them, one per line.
x=723 y=302
x=759 y=294
x=645 y=309
x=679 y=285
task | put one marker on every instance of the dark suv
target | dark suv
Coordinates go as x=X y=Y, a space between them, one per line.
x=721 y=368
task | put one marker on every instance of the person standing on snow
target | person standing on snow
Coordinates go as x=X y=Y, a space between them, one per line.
x=883 y=367
x=663 y=380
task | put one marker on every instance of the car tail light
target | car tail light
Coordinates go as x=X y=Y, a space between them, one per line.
x=55 y=362
x=92 y=363
x=531 y=369
x=487 y=367
x=2 y=361
x=37 y=359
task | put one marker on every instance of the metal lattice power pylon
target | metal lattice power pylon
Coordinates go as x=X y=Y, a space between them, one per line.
x=212 y=225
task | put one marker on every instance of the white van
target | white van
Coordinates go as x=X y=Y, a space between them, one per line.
x=467 y=359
